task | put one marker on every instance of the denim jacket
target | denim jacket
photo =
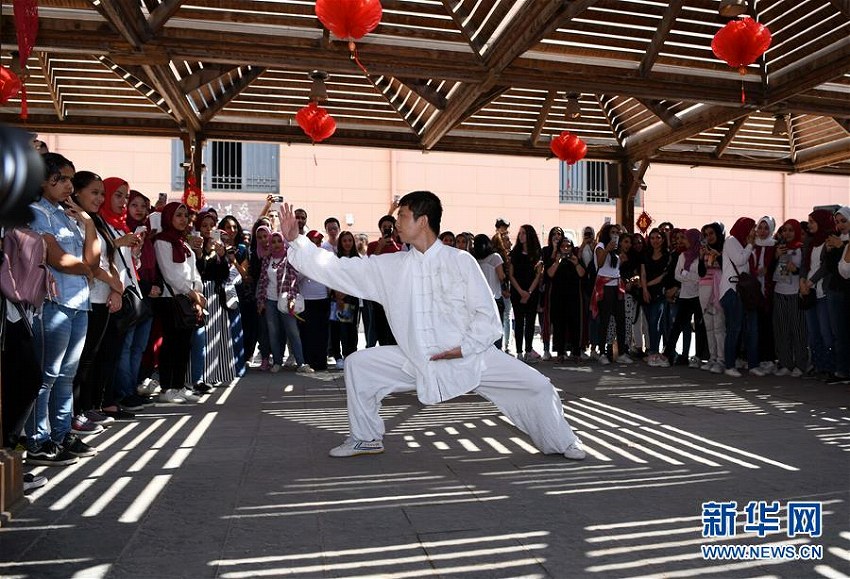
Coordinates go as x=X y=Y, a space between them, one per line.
x=72 y=290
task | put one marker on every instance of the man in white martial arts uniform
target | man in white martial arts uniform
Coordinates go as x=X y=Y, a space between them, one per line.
x=442 y=312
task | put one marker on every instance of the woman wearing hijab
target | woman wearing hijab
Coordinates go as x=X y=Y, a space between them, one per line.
x=736 y=260
x=789 y=322
x=762 y=263
x=710 y=270
x=686 y=272
x=838 y=295
x=180 y=276
x=258 y=249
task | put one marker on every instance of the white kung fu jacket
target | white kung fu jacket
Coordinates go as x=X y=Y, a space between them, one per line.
x=434 y=301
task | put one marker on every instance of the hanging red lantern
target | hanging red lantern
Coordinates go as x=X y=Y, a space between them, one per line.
x=740 y=43
x=10 y=85
x=349 y=19
x=316 y=122
x=193 y=196
x=568 y=147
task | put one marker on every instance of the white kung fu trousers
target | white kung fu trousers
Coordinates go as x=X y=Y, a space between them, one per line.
x=523 y=394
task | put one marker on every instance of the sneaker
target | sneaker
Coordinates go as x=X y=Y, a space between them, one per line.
x=75 y=446
x=275 y=368
x=782 y=372
x=189 y=395
x=331 y=361
x=290 y=362
x=584 y=357
x=757 y=371
x=532 y=354
x=50 y=454
x=547 y=355
x=624 y=359
x=604 y=361
x=98 y=417
x=201 y=388
x=717 y=368
x=148 y=387
x=796 y=373
x=732 y=372
x=520 y=357
x=133 y=403
x=575 y=451
x=119 y=415
x=707 y=366
x=265 y=365
x=353 y=447
x=662 y=362
x=32 y=481
x=340 y=364
x=835 y=380
x=171 y=396
x=305 y=369
x=768 y=367
x=82 y=425
x=694 y=362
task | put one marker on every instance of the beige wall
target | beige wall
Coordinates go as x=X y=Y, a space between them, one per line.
x=475 y=189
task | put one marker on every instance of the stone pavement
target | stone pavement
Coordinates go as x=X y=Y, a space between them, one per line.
x=240 y=484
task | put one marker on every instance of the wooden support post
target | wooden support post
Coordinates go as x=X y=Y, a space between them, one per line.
x=193 y=153
x=631 y=180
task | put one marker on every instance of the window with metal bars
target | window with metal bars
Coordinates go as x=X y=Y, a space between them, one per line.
x=584 y=182
x=233 y=166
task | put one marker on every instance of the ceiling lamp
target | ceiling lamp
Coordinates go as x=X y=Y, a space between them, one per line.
x=732 y=8
x=318 y=90
x=573 y=106
x=780 y=125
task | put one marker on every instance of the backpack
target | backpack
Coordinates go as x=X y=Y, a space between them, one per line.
x=24 y=277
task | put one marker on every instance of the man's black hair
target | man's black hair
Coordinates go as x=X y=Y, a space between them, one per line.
x=501 y=222
x=53 y=165
x=331 y=220
x=424 y=203
x=389 y=218
x=304 y=211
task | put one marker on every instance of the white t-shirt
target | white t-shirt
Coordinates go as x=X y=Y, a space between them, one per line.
x=272 y=292
x=488 y=267
x=606 y=269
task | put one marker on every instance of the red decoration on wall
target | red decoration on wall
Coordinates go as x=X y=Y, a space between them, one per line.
x=26 y=28
x=316 y=122
x=193 y=197
x=643 y=222
x=349 y=19
x=741 y=42
x=10 y=84
x=568 y=147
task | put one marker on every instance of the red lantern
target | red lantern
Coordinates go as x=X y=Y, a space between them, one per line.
x=193 y=197
x=26 y=26
x=316 y=122
x=10 y=85
x=568 y=147
x=349 y=19
x=740 y=43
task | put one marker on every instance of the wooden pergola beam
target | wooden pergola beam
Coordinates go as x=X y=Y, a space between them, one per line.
x=610 y=118
x=204 y=76
x=51 y=85
x=138 y=84
x=126 y=18
x=544 y=115
x=163 y=14
x=662 y=112
x=424 y=90
x=383 y=85
x=729 y=137
x=823 y=155
x=664 y=27
x=230 y=93
x=459 y=14
x=842 y=6
x=164 y=82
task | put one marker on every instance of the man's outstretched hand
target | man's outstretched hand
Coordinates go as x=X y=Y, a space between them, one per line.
x=288 y=224
x=448 y=354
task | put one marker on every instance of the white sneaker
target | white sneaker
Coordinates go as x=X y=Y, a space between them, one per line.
x=305 y=369
x=782 y=372
x=604 y=361
x=732 y=372
x=547 y=355
x=575 y=451
x=275 y=369
x=171 y=396
x=189 y=395
x=768 y=367
x=717 y=368
x=796 y=373
x=707 y=366
x=331 y=360
x=354 y=447
x=290 y=362
x=662 y=361
x=340 y=364
x=624 y=359
x=584 y=357
x=148 y=387
x=757 y=371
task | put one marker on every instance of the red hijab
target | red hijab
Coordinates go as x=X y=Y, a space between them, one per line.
x=826 y=224
x=179 y=250
x=116 y=220
x=741 y=229
x=797 y=242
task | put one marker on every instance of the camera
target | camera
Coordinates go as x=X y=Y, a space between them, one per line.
x=21 y=174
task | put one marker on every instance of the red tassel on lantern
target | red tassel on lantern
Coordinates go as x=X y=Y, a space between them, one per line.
x=26 y=27
x=316 y=122
x=740 y=43
x=193 y=197
x=350 y=19
x=568 y=147
x=10 y=84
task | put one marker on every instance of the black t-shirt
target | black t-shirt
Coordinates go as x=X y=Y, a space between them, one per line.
x=655 y=268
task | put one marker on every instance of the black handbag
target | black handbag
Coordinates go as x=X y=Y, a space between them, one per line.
x=183 y=311
x=134 y=308
x=749 y=289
